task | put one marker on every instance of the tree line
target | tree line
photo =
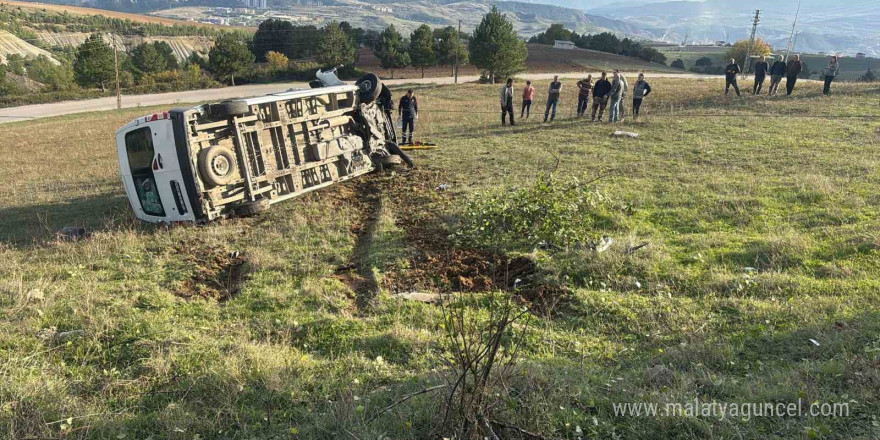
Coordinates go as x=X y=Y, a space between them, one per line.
x=603 y=42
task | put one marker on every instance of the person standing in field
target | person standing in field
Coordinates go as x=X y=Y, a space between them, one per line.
x=615 y=96
x=584 y=88
x=830 y=73
x=792 y=72
x=600 y=96
x=641 y=90
x=730 y=73
x=621 y=109
x=552 y=98
x=408 y=111
x=761 y=69
x=776 y=74
x=507 y=102
x=527 y=96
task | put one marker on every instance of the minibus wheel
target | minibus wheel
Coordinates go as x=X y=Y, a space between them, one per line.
x=370 y=87
x=218 y=165
x=229 y=109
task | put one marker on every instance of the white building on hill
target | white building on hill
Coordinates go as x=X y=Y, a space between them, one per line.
x=563 y=44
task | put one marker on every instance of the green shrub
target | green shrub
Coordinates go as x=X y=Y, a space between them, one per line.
x=551 y=211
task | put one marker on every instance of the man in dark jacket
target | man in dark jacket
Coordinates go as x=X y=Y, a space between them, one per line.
x=776 y=74
x=730 y=74
x=761 y=69
x=507 y=102
x=600 y=96
x=641 y=90
x=408 y=110
x=791 y=74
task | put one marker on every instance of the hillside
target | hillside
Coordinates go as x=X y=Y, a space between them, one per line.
x=183 y=46
x=846 y=27
x=79 y=10
x=11 y=44
x=541 y=59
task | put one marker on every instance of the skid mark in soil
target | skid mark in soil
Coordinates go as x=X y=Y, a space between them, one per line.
x=357 y=274
x=437 y=263
x=421 y=206
x=217 y=273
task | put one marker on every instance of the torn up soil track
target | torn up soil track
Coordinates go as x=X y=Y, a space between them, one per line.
x=421 y=207
x=217 y=273
x=357 y=274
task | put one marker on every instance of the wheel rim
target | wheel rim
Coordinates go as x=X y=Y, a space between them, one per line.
x=220 y=165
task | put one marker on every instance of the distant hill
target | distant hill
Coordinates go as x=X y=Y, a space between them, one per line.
x=846 y=27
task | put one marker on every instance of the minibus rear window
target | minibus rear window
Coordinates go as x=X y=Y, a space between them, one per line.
x=139 y=148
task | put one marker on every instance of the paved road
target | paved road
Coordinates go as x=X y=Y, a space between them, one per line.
x=28 y=112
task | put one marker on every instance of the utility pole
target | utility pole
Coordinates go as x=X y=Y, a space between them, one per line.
x=457 y=49
x=116 y=66
x=792 y=37
x=747 y=62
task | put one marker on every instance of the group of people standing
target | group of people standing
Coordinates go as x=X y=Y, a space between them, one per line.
x=606 y=93
x=790 y=71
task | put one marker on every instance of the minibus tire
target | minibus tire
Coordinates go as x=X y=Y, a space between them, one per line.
x=208 y=155
x=369 y=94
x=252 y=208
x=390 y=160
x=229 y=109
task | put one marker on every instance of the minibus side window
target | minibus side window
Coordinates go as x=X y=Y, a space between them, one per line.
x=139 y=147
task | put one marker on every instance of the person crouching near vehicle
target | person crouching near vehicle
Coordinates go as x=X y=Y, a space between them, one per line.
x=507 y=102
x=527 y=95
x=776 y=74
x=408 y=111
x=584 y=88
x=641 y=90
x=600 y=96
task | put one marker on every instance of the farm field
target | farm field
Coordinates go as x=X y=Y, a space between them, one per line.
x=744 y=267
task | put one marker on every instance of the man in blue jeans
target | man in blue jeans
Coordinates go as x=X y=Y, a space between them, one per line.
x=553 y=98
x=408 y=110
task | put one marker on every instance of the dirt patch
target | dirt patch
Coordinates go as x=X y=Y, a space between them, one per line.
x=365 y=198
x=217 y=273
x=422 y=202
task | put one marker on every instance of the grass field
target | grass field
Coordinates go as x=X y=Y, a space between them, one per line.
x=759 y=281
x=850 y=68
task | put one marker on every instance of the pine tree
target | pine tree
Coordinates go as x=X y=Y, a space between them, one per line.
x=94 y=64
x=230 y=56
x=495 y=47
x=448 y=44
x=335 y=47
x=392 y=50
x=421 y=48
x=147 y=58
